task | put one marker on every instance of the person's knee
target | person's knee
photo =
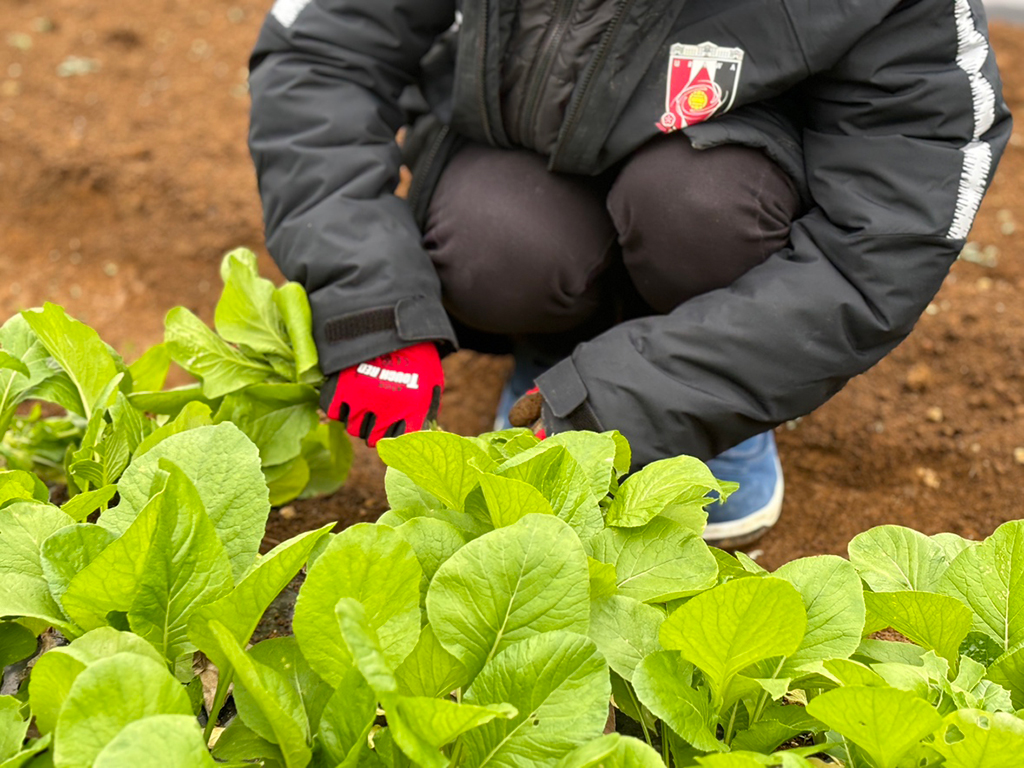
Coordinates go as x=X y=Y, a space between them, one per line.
x=517 y=250
x=692 y=221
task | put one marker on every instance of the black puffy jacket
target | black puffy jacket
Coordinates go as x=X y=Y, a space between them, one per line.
x=888 y=114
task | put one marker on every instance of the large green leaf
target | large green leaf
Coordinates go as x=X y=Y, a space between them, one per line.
x=1008 y=671
x=278 y=715
x=80 y=506
x=613 y=751
x=78 y=350
x=158 y=741
x=20 y=342
x=423 y=725
x=282 y=655
x=13 y=727
x=110 y=581
x=884 y=722
x=346 y=720
x=201 y=352
x=553 y=471
x=374 y=565
x=975 y=739
x=187 y=568
x=149 y=372
x=420 y=725
x=16 y=643
x=935 y=622
x=509 y=585
x=224 y=466
x=24 y=591
x=430 y=670
x=510 y=500
x=293 y=305
x=664 y=684
x=108 y=695
x=625 y=631
x=595 y=453
x=19 y=485
x=734 y=625
x=445 y=465
x=433 y=541
x=239 y=745
x=660 y=561
x=834 y=601
x=240 y=610
x=681 y=483
x=276 y=417
x=891 y=558
x=559 y=684
x=327 y=452
x=989 y=579
x=65 y=553
x=246 y=312
x=56 y=670
x=778 y=724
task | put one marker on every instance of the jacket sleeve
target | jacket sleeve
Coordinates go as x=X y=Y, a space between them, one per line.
x=326 y=78
x=902 y=137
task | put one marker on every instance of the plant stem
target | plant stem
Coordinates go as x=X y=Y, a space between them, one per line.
x=762 y=700
x=221 y=694
x=666 y=754
x=732 y=724
x=849 y=755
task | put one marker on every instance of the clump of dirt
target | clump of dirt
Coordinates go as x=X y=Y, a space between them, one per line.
x=124 y=177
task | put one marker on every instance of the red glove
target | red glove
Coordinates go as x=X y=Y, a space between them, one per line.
x=389 y=395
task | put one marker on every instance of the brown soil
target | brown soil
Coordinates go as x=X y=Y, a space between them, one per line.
x=121 y=186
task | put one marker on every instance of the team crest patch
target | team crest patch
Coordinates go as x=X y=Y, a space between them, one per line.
x=702 y=81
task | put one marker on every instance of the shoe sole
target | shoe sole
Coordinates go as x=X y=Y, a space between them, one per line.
x=747 y=530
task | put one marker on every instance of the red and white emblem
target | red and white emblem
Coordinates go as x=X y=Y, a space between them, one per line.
x=702 y=80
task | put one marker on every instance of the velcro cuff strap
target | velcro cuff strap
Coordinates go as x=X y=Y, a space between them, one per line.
x=353 y=326
x=416 y=318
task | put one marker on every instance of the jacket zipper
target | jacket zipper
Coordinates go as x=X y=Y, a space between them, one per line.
x=482 y=91
x=563 y=12
x=576 y=108
x=421 y=178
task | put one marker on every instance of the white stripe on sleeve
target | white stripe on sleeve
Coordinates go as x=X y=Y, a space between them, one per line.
x=972 y=53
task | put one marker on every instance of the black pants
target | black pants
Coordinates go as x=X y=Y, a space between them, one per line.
x=527 y=253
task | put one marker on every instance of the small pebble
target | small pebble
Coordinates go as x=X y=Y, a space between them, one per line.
x=20 y=41
x=1018 y=455
x=984 y=284
x=975 y=447
x=76 y=66
x=110 y=269
x=919 y=378
x=288 y=513
x=10 y=88
x=929 y=478
x=932 y=309
x=934 y=415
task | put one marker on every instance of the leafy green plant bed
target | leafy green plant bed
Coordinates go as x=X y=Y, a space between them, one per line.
x=514 y=589
x=258 y=370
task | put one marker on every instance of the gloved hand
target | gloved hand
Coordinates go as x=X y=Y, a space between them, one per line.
x=397 y=392
x=528 y=411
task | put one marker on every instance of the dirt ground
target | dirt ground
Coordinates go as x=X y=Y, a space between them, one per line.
x=124 y=176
